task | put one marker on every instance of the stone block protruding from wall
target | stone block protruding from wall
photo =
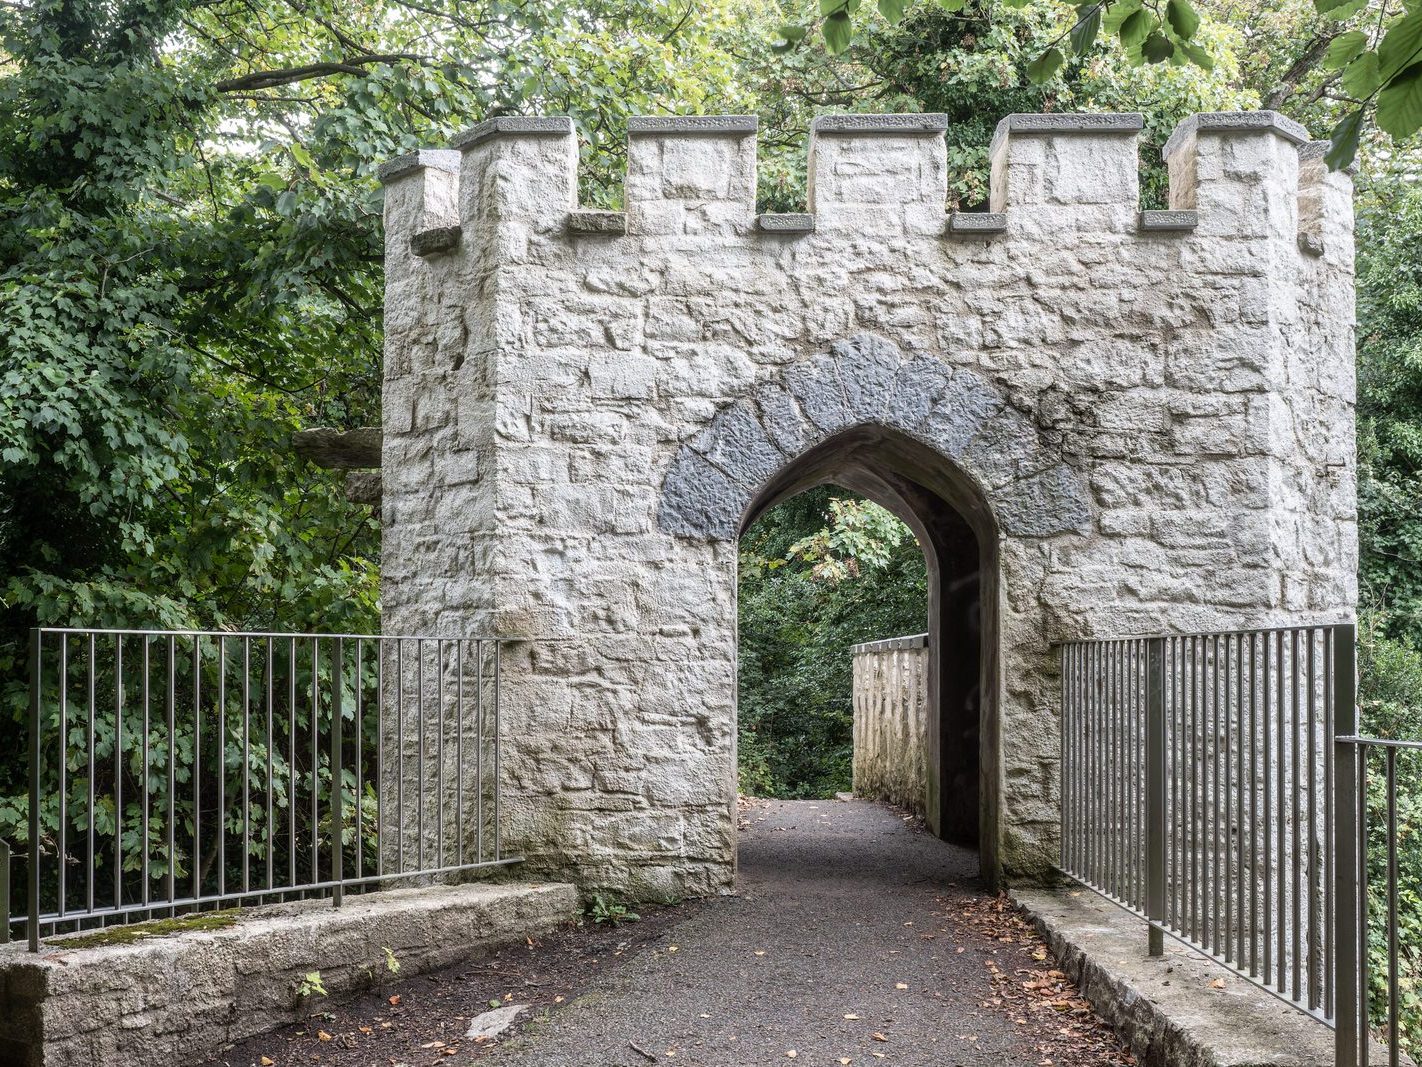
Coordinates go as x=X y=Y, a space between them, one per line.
x=1149 y=415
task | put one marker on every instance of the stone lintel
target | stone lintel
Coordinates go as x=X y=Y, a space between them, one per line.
x=891 y=644
x=1168 y=221
x=977 y=223
x=364 y=487
x=435 y=240
x=880 y=125
x=786 y=222
x=1234 y=122
x=598 y=223
x=513 y=125
x=643 y=125
x=1055 y=125
x=411 y=162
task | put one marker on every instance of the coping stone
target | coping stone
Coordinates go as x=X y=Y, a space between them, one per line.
x=1168 y=221
x=786 y=222
x=600 y=223
x=1316 y=150
x=891 y=644
x=435 y=240
x=931 y=122
x=1051 y=125
x=692 y=124
x=525 y=125
x=977 y=222
x=1181 y=1009
x=1235 y=122
x=433 y=158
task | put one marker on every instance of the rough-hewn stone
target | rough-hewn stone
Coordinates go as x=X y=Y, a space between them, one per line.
x=1088 y=381
x=890 y=694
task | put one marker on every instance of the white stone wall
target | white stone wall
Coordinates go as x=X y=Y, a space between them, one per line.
x=891 y=721
x=1190 y=376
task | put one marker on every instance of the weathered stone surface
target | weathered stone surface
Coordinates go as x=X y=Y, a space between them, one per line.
x=888 y=125
x=609 y=223
x=1234 y=122
x=525 y=125
x=363 y=487
x=181 y=996
x=1169 y=221
x=434 y=158
x=890 y=696
x=786 y=222
x=435 y=240
x=1095 y=390
x=332 y=448
x=642 y=125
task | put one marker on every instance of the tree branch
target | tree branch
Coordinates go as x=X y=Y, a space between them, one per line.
x=269 y=79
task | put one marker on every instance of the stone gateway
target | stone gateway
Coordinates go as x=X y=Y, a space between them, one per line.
x=1097 y=420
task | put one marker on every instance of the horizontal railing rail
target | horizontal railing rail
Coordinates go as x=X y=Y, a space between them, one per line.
x=172 y=771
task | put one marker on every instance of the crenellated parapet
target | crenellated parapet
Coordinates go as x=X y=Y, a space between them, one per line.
x=1237 y=174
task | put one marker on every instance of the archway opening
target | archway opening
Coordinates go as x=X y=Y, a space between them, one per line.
x=956 y=538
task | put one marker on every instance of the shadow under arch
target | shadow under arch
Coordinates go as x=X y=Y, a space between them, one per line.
x=958 y=537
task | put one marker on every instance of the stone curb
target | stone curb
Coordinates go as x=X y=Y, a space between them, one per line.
x=1168 y=221
x=786 y=222
x=977 y=222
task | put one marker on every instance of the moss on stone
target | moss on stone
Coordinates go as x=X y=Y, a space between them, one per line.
x=127 y=935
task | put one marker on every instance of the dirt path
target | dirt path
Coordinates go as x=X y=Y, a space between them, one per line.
x=854 y=939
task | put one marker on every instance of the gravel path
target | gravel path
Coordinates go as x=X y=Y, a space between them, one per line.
x=855 y=938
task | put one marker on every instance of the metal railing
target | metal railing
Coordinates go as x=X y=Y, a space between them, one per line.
x=175 y=771
x=1199 y=781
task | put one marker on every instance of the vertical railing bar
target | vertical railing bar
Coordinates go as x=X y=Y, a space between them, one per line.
x=1173 y=772
x=1295 y=824
x=197 y=766
x=62 y=850
x=359 y=721
x=1392 y=931
x=222 y=766
x=1254 y=772
x=143 y=787
x=1108 y=734
x=380 y=721
x=118 y=770
x=420 y=754
x=479 y=747
x=338 y=802
x=270 y=672
x=1155 y=776
x=246 y=764
x=1267 y=735
x=1361 y=932
x=1314 y=978
x=459 y=750
x=439 y=749
x=315 y=759
x=399 y=756
x=1197 y=786
x=1282 y=793
x=1227 y=827
x=498 y=735
x=1216 y=830
x=35 y=864
x=1329 y=800
x=93 y=718
x=1349 y=881
x=171 y=707
x=1093 y=822
x=1241 y=764
x=291 y=783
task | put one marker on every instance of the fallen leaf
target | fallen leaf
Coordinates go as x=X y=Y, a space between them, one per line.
x=267 y=1061
x=879 y=1037
x=395 y=999
x=760 y=952
x=792 y=1053
x=851 y=1015
x=900 y=985
x=323 y=1035
x=1218 y=983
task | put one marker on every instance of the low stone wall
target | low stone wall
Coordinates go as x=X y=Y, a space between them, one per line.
x=178 y=997
x=890 y=721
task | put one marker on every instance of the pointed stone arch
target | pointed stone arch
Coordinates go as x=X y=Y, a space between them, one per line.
x=716 y=478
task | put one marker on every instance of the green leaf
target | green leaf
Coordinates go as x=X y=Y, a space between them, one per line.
x=1088 y=25
x=1183 y=18
x=1157 y=48
x=791 y=34
x=838 y=32
x=1044 y=68
x=829 y=7
x=1196 y=55
x=1138 y=26
x=1015 y=3
x=1362 y=77
x=952 y=5
x=1118 y=13
x=1344 y=48
x=1400 y=104
x=1344 y=147
x=893 y=10
x=1339 y=9
x=1401 y=46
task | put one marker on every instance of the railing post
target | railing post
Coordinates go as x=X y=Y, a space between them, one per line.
x=34 y=902
x=4 y=893
x=1348 y=936
x=1155 y=793
x=337 y=787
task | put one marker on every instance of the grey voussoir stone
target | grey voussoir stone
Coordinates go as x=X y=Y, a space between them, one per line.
x=868 y=366
x=961 y=410
x=737 y=443
x=699 y=501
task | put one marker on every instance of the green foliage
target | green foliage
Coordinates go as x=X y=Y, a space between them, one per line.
x=309 y=985
x=819 y=573
x=611 y=911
